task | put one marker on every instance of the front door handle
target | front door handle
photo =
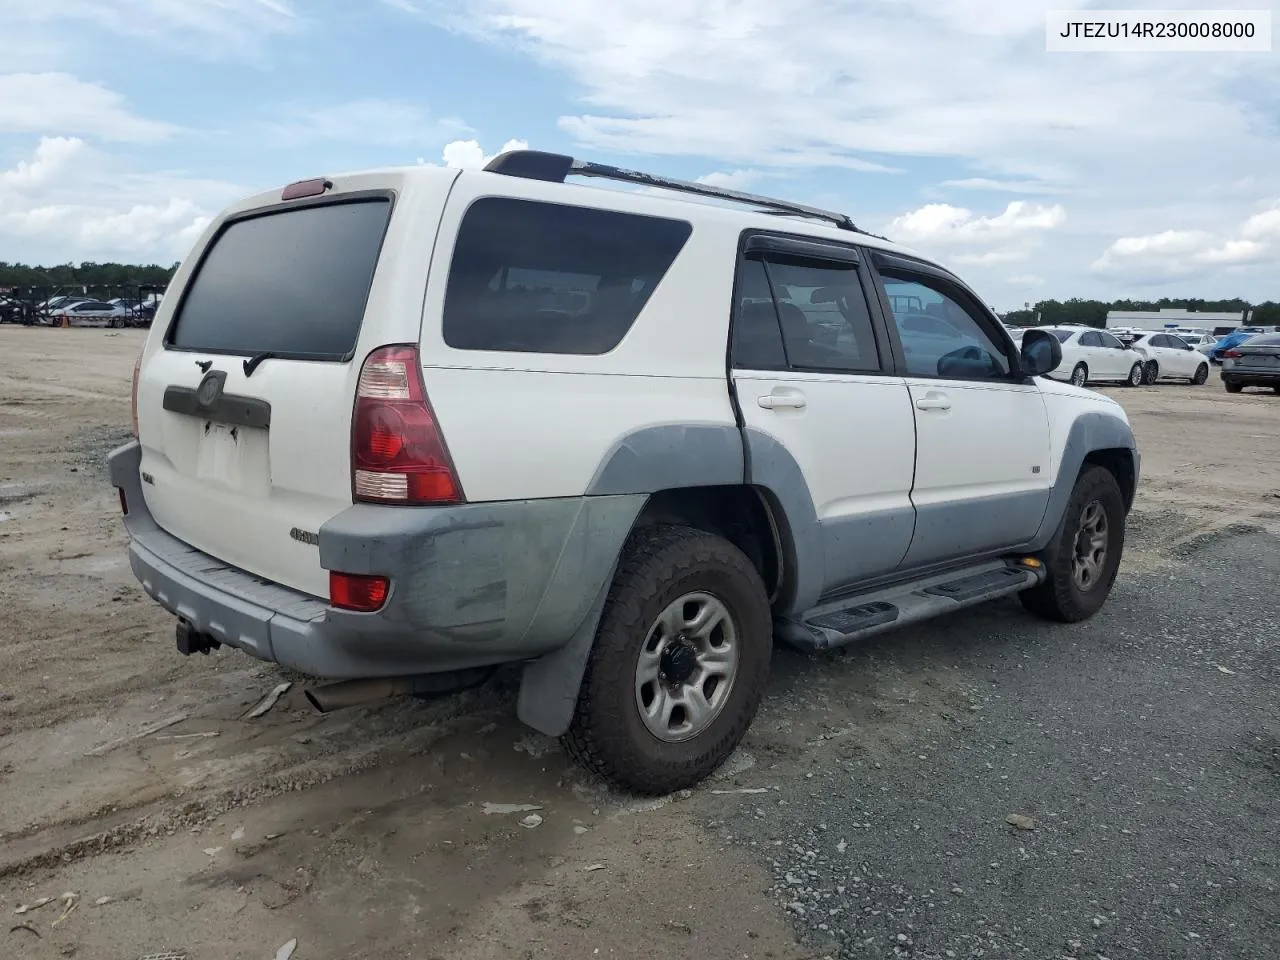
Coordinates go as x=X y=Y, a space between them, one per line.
x=788 y=401
x=934 y=401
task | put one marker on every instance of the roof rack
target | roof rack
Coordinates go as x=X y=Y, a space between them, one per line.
x=555 y=168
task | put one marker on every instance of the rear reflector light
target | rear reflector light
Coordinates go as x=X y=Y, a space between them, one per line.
x=1233 y=354
x=305 y=188
x=137 y=368
x=358 y=592
x=398 y=454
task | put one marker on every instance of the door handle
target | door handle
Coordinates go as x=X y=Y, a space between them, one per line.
x=790 y=401
x=934 y=401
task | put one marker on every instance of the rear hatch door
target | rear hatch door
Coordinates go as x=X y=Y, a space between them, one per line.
x=247 y=382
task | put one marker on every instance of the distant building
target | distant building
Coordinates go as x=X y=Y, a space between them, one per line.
x=1173 y=317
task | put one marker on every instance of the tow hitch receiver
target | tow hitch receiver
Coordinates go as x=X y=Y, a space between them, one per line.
x=190 y=640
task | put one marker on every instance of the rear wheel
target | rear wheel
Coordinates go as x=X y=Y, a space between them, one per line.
x=1150 y=372
x=679 y=663
x=1082 y=561
x=1080 y=375
x=1136 y=376
x=1232 y=387
x=1202 y=374
x=117 y=323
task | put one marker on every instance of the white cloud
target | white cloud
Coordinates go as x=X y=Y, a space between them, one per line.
x=58 y=103
x=965 y=238
x=51 y=157
x=406 y=6
x=70 y=201
x=732 y=179
x=1002 y=186
x=391 y=123
x=1180 y=254
x=1025 y=280
x=469 y=155
x=1263 y=226
x=202 y=27
x=941 y=225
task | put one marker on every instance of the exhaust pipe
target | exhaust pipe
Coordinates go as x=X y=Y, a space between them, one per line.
x=354 y=693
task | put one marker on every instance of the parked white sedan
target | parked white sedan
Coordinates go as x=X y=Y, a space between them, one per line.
x=92 y=312
x=1090 y=355
x=1166 y=356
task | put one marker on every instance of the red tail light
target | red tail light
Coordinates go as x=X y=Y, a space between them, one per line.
x=398 y=454
x=354 y=591
x=137 y=367
x=1233 y=354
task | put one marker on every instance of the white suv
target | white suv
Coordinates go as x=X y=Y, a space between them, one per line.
x=398 y=428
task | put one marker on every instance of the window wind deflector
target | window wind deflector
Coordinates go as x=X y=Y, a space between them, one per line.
x=802 y=249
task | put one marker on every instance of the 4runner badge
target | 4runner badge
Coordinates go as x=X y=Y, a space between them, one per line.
x=305 y=536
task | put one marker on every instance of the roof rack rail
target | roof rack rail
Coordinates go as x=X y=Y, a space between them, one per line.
x=555 y=168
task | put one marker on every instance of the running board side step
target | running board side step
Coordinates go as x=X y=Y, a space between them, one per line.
x=844 y=621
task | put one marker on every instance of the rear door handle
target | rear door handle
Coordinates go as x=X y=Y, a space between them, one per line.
x=934 y=401
x=788 y=401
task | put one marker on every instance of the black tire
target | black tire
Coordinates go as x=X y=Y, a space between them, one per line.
x=1150 y=372
x=608 y=735
x=1137 y=376
x=1060 y=597
x=1080 y=375
x=117 y=323
x=1202 y=375
x=1232 y=387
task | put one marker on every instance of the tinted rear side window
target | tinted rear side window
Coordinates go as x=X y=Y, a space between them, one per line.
x=294 y=283
x=533 y=277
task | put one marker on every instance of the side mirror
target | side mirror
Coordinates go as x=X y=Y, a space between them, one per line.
x=1041 y=352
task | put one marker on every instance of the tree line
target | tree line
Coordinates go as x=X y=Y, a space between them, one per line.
x=1093 y=313
x=72 y=278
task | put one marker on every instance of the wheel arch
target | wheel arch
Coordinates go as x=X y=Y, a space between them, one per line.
x=1094 y=438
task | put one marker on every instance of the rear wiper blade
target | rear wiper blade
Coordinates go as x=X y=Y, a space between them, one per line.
x=251 y=364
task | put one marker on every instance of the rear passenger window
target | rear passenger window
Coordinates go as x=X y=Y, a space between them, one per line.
x=823 y=312
x=803 y=315
x=533 y=277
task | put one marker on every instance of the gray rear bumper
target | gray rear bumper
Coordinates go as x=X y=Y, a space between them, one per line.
x=472 y=585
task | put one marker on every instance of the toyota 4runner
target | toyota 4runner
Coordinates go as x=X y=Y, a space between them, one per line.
x=397 y=428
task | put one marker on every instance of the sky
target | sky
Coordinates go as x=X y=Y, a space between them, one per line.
x=944 y=124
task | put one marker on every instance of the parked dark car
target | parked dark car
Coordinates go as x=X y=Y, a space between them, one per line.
x=1253 y=363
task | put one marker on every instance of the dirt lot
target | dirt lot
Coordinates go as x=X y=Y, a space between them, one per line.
x=132 y=779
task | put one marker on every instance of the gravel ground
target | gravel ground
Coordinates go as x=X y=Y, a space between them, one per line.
x=1142 y=748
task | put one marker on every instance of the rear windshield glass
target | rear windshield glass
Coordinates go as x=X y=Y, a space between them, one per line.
x=292 y=283
x=1062 y=335
x=533 y=277
x=1264 y=340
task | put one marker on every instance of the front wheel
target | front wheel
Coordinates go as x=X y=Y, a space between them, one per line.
x=1082 y=561
x=1202 y=374
x=1136 y=376
x=1080 y=375
x=679 y=664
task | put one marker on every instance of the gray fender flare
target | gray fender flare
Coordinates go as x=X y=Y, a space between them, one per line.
x=1089 y=433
